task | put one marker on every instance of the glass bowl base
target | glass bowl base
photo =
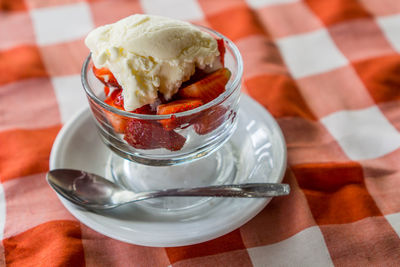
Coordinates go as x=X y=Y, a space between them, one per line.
x=215 y=169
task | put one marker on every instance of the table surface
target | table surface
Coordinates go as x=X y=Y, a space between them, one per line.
x=328 y=71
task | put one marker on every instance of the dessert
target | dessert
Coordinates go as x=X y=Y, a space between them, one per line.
x=159 y=66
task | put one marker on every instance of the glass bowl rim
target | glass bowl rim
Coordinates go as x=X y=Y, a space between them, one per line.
x=235 y=84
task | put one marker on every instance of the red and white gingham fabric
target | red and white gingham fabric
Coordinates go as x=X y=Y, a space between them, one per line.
x=328 y=71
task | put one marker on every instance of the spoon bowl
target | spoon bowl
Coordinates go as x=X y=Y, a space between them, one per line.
x=92 y=191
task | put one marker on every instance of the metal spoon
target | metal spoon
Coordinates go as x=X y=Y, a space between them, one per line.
x=92 y=191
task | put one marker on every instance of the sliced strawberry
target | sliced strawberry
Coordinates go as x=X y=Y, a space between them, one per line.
x=115 y=99
x=221 y=49
x=198 y=75
x=118 y=122
x=143 y=134
x=106 y=77
x=210 y=120
x=176 y=107
x=106 y=90
x=119 y=100
x=208 y=88
x=146 y=109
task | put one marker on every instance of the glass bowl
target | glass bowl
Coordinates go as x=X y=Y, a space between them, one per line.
x=190 y=155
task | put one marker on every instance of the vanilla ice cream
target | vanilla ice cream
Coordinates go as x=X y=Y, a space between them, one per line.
x=148 y=54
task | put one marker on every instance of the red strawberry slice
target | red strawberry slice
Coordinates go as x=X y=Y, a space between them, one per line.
x=210 y=120
x=142 y=134
x=119 y=100
x=198 y=75
x=106 y=90
x=106 y=77
x=146 y=109
x=176 y=107
x=208 y=88
x=118 y=122
x=221 y=49
x=116 y=100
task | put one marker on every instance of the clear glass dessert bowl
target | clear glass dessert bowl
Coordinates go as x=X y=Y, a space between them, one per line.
x=148 y=157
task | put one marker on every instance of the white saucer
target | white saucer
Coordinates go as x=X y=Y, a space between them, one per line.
x=261 y=158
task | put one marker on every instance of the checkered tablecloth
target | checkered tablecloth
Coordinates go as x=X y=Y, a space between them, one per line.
x=327 y=70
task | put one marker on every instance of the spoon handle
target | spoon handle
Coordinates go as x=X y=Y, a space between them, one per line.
x=253 y=190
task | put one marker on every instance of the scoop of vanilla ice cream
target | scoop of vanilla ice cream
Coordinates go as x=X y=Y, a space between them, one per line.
x=148 y=54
